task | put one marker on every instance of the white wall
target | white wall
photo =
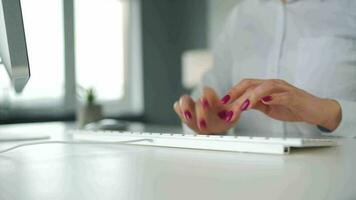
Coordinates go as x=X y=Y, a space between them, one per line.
x=218 y=12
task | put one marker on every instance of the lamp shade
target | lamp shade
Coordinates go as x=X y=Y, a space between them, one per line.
x=195 y=63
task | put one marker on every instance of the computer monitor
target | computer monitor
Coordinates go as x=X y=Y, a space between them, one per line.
x=13 y=54
x=13 y=50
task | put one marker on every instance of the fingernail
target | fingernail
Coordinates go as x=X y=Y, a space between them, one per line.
x=226 y=115
x=222 y=114
x=188 y=115
x=225 y=99
x=245 y=105
x=229 y=116
x=202 y=124
x=267 y=98
x=205 y=103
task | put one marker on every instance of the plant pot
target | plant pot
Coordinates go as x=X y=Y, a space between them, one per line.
x=88 y=113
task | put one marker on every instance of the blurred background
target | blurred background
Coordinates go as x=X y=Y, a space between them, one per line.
x=133 y=58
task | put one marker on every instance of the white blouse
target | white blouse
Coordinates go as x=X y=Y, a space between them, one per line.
x=308 y=43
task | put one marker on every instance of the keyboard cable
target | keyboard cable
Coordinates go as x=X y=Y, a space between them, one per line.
x=72 y=143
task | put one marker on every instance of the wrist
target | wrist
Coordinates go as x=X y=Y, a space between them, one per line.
x=330 y=114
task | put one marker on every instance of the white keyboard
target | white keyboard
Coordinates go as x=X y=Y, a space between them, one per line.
x=206 y=142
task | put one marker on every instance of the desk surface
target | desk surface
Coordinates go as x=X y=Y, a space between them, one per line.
x=151 y=173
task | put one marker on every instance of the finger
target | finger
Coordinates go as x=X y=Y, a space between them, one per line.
x=209 y=98
x=235 y=113
x=283 y=99
x=252 y=97
x=201 y=116
x=239 y=89
x=229 y=116
x=187 y=108
x=262 y=107
x=177 y=109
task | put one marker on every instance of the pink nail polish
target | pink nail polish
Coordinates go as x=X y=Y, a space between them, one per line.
x=226 y=115
x=205 y=103
x=188 y=115
x=245 y=105
x=222 y=114
x=225 y=99
x=229 y=116
x=267 y=98
x=202 y=124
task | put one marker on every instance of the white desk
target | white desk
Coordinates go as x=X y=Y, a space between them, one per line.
x=149 y=173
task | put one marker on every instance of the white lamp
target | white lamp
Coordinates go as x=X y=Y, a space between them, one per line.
x=194 y=65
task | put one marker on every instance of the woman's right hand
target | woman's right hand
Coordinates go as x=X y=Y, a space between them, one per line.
x=208 y=115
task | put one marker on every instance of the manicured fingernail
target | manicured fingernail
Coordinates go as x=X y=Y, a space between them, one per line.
x=188 y=115
x=267 y=98
x=229 y=116
x=245 y=105
x=202 y=124
x=226 y=115
x=222 y=114
x=205 y=103
x=225 y=99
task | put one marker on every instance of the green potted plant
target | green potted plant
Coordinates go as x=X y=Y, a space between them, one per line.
x=89 y=111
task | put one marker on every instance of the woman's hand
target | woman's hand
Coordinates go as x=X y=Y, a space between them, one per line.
x=208 y=115
x=282 y=101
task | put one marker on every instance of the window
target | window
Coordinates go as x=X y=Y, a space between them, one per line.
x=108 y=53
x=100 y=47
x=107 y=57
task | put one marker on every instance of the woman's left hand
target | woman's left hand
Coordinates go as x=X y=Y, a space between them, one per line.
x=282 y=101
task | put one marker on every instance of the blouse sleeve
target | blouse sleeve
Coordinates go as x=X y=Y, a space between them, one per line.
x=347 y=126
